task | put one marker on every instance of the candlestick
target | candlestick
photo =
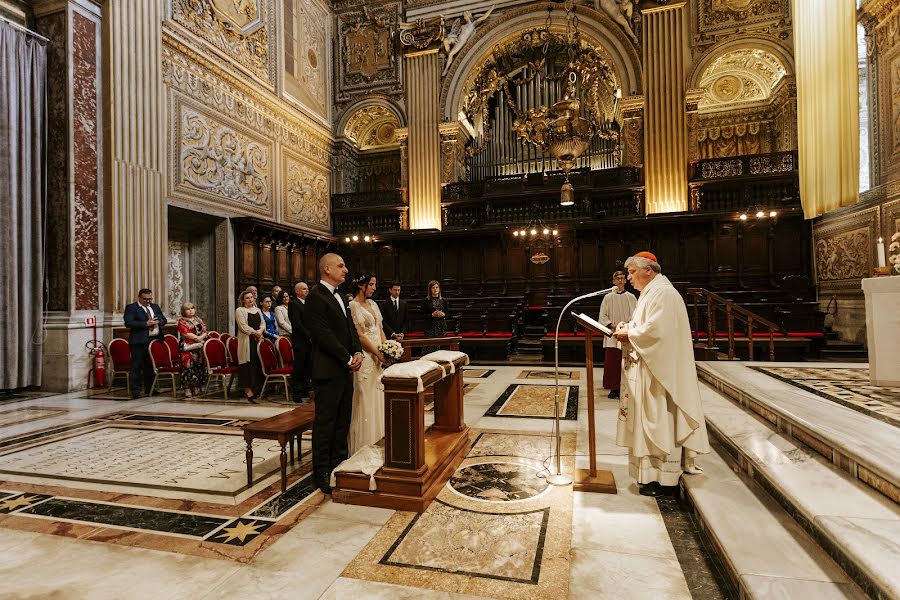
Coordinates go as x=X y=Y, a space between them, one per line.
x=880 y=253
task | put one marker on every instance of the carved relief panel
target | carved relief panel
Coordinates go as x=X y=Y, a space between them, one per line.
x=844 y=250
x=306 y=192
x=220 y=163
x=367 y=57
x=716 y=19
x=306 y=31
x=242 y=30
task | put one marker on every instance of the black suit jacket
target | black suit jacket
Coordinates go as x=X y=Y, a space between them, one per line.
x=395 y=321
x=334 y=337
x=296 y=315
x=136 y=320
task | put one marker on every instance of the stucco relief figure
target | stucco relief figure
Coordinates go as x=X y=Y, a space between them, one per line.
x=460 y=31
x=621 y=12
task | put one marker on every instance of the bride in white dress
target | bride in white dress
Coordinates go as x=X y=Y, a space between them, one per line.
x=367 y=418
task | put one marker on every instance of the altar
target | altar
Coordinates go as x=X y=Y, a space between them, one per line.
x=883 y=329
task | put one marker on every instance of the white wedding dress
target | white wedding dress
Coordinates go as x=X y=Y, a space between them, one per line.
x=367 y=419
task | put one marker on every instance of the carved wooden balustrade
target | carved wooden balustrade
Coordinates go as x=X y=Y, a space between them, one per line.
x=715 y=302
x=735 y=183
x=368 y=212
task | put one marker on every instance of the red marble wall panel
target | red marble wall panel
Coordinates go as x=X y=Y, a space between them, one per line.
x=86 y=175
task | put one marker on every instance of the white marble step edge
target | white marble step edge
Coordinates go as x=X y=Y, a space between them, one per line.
x=767 y=553
x=879 y=460
x=858 y=525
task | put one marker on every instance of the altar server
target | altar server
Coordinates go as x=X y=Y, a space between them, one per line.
x=660 y=416
x=617 y=307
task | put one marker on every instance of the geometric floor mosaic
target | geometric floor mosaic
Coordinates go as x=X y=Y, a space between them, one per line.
x=846 y=386
x=496 y=530
x=549 y=374
x=535 y=402
x=48 y=496
x=479 y=373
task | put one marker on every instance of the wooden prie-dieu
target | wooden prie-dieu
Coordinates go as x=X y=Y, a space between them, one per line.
x=417 y=461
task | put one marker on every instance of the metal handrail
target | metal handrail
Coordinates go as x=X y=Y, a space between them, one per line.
x=732 y=311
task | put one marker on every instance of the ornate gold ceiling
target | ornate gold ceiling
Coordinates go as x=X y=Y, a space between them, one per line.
x=372 y=127
x=743 y=77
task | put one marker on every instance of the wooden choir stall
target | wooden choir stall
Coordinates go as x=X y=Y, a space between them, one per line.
x=417 y=461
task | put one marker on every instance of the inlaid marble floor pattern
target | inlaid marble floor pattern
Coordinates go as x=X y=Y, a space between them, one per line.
x=616 y=541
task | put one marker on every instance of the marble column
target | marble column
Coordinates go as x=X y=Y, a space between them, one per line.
x=424 y=146
x=665 y=129
x=74 y=194
x=134 y=161
x=453 y=151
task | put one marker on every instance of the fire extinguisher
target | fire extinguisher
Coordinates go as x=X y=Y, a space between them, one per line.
x=99 y=366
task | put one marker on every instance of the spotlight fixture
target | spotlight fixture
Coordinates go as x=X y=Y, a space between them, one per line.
x=516 y=233
x=535 y=229
x=347 y=240
x=546 y=231
x=760 y=214
x=367 y=239
x=355 y=238
x=534 y=232
x=773 y=214
x=743 y=217
x=555 y=232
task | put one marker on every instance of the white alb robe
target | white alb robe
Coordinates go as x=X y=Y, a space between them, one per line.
x=659 y=409
x=615 y=309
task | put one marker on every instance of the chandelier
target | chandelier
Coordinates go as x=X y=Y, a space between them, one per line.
x=566 y=66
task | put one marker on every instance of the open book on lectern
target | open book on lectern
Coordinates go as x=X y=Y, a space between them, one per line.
x=594 y=323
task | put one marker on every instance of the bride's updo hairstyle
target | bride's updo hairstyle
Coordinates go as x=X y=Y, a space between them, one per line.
x=361 y=279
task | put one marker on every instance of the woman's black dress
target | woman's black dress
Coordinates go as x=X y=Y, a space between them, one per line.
x=434 y=327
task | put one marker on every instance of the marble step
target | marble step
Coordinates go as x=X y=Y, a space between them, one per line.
x=861 y=445
x=767 y=554
x=855 y=525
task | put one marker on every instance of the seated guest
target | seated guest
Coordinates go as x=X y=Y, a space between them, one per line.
x=193 y=333
x=276 y=294
x=282 y=315
x=616 y=308
x=434 y=310
x=271 y=329
x=396 y=319
x=250 y=330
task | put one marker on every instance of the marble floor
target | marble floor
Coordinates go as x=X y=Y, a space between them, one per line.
x=108 y=529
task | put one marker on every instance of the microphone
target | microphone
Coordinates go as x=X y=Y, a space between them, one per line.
x=559 y=478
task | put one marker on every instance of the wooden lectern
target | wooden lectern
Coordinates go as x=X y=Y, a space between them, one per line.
x=591 y=480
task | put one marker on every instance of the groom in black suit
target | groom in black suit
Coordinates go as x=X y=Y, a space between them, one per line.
x=336 y=354
x=396 y=319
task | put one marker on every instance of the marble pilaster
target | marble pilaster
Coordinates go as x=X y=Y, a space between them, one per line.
x=134 y=160
x=422 y=88
x=632 y=111
x=665 y=128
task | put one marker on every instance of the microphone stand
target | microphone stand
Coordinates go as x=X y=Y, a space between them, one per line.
x=559 y=478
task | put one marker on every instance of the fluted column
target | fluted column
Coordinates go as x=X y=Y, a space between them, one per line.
x=134 y=162
x=665 y=130
x=424 y=141
x=691 y=109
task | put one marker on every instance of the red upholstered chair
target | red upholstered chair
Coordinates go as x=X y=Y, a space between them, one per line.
x=172 y=343
x=214 y=335
x=119 y=361
x=285 y=351
x=232 y=346
x=225 y=337
x=163 y=365
x=271 y=370
x=216 y=358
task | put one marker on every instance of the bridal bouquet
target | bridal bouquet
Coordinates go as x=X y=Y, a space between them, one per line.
x=391 y=349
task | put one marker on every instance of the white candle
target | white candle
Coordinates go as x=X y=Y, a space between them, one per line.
x=880 y=253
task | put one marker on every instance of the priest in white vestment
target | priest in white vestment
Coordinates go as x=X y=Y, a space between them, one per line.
x=617 y=307
x=660 y=417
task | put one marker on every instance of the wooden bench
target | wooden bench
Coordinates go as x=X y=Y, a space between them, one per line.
x=284 y=428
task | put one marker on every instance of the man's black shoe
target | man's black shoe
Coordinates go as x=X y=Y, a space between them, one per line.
x=613 y=394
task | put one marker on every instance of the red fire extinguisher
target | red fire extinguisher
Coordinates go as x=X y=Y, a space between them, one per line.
x=99 y=366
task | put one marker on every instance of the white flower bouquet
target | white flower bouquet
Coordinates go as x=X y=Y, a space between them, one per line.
x=894 y=249
x=391 y=349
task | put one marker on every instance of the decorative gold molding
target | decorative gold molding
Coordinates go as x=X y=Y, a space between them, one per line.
x=306 y=192
x=197 y=77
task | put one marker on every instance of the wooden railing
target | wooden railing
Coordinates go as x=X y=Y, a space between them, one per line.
x=732 y=312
